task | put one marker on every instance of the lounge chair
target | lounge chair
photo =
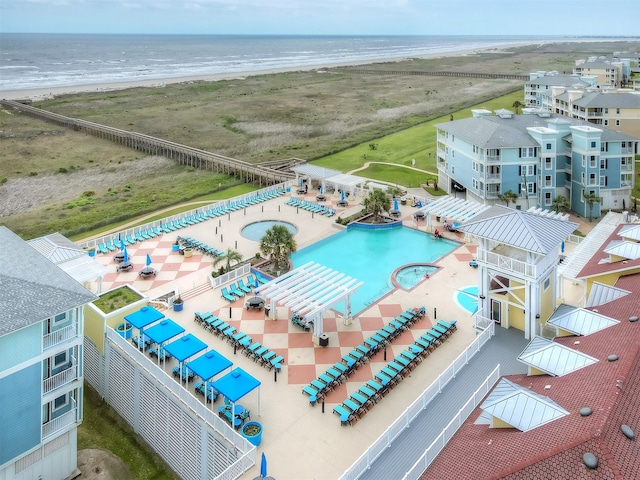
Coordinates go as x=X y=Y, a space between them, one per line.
x=252 y=281
x=343 y=413
x=102 y=248
x=276 y=362
x=227 y=295
x=139 y=237
x=235 y=291
x=261 y=279
x=110 y=246
x=243 y=287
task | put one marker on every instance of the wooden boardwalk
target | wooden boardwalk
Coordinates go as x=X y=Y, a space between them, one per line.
x=262 y=175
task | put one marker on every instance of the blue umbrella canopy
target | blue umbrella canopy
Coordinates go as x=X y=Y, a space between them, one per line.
x=122 y=247
x=562 y=246
x=342 y=194
x=126 y=256
x=263 y=466
x=148 y=260
x=395 y=204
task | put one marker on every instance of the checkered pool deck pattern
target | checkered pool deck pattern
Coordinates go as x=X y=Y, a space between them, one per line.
x=284 y=410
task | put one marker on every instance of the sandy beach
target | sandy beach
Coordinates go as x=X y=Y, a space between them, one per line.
x=52 y=92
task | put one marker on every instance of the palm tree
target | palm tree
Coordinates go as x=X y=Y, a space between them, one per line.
x=508 y=197
x=591 y=198
x=230 y=256
x=376 y=202
x=278 y=244
x=517 y=105
x=560 y=204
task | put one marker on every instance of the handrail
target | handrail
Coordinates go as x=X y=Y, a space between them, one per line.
x=452 y=427
x=385 y=440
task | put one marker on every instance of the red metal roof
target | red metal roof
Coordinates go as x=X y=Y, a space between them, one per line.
x=594 y=267
x=555 y=450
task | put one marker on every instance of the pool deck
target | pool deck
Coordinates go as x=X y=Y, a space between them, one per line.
x=299 y=440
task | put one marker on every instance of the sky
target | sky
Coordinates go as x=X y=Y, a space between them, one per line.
x=325 y=17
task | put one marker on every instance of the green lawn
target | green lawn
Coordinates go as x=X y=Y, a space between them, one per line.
x=103 y=428
x=402 y=147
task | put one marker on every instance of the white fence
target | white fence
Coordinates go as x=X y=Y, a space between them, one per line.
x=385 y=440
x=231 y=276
x=191 y=438
x=452 y=427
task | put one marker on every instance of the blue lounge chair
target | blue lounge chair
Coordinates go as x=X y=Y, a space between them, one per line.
x=102 y=248
x=227 y=295
x=243 y=287
x=110 y=246
x=252 y=281
x=235 y=291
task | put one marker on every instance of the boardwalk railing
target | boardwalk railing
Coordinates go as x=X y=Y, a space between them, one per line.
x=385 y=440
x=183 y=154
x=452 y=427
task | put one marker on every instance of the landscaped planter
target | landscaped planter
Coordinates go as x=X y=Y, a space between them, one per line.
x=175 y=248
x=252 y=431
x=125 y=330
x=178 y=306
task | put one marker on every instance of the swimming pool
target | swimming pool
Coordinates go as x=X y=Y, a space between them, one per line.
x=409 y=277
x=371 y=256
x=256 y=230
x=467 y=298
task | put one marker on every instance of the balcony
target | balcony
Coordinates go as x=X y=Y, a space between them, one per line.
x=514 y=266
x=626 y=150
x=59 y=336
x=60 y=379
x=62 y=422
x=492 y=178
x=492 y=158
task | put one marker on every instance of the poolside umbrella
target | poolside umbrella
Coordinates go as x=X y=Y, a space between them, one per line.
x=342 y=194
x=263 y=466
x=148 y=260
x=395 y=204
x=122 y=244
x=321 y=189
x=562 y=247
x=126 y=256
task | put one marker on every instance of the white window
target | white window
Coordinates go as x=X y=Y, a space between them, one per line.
x=592 y=161
x=474 y=165
x=547 y=198
x=60 y=402
x=584 y=161
x=547 y=163
x=592 y=179
x=548 y=146
x=546 y=284
x=58 y=319
x=604 y=163
x=606 y=110
x=547 y=180
x=528 y=170
x=618 y=123
x=593 y=144
x=617 y=111
x=474 y=183
x=453 y=169
x=60 y=359
x=603 y=180
x=606 y=122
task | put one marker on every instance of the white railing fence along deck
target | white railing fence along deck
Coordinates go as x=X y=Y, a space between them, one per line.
x=365 y=461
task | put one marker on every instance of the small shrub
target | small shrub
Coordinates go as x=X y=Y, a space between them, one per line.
x=3 y=180
x=33 y=174
x=63 y=170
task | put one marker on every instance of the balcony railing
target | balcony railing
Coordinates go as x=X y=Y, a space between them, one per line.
x=628 y=150
x=492 y=158
x=491 y=194
x=626 y=168
x=54 y=338
x=59 y=423
x=60 y=379
x=507 y=263
x=493 y=177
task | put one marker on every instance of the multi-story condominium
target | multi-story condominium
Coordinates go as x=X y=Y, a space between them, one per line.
x=540 y=84
x=539 y=157
x=614 y=109
x=41 y=371
x=610 y=72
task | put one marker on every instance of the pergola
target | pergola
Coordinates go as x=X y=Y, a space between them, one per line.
x=452 y=209
x=236 y=384
x=326 y=176
x=142 y=318
x=309 y=291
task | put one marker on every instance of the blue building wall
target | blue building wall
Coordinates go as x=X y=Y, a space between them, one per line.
x=20 y=415
x=20 y=346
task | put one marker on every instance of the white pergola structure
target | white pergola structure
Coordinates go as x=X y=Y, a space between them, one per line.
x=452 y=209
x=325 y=176
x=309 y=291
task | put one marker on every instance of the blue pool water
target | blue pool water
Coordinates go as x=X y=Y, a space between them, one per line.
x=409 y=277
x=468 y=298
x=372 y=256
x=256 y=230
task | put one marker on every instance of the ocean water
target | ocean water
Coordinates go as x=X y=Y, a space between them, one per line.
x=29 y=61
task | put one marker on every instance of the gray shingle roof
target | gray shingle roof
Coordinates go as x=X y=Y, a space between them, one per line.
x=492 y=131
x=527 y=231
x=31 y=287
x=559 y=81
x=608 y=100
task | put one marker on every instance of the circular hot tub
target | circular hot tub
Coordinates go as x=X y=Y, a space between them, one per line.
x=411 y=275
x=256 y=230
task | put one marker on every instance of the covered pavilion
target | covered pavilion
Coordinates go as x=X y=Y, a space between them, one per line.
x=236 y=384
x=209 y=365
x=163 y=332
x=143 y=318
x=327 y=176
x=185 y=347
x=452 y=209
x=309 y=291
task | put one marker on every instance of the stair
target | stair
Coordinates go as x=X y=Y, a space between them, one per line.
x=194 y=292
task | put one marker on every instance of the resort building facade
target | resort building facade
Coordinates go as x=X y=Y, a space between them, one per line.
x=610 y=72
x=41 y=368
x=617 y=110
x=535 y=158
x=540 y=84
